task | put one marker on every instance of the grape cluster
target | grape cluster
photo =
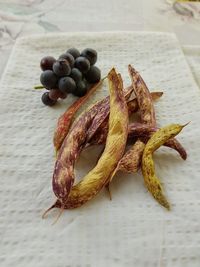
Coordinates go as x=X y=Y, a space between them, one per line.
x=73 y=72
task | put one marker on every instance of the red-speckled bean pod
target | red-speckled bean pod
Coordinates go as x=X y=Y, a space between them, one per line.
x=63 y=176
x=138 y=130
x=86 y=125
x=143 y=130
x=101 y=132
x=144 y=98
x=131 y=160
x=65 y=120
x=103 y=114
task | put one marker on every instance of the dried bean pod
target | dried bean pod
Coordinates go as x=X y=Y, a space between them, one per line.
x=100 y=135
x=144 y=98
x=138 y=130
x=65 y=120
x=143 y=130
x=63 y=176
x=131 y=160
x=176 y=145
x=133 y=104
x=96 y=179
x=148 y=169
x=103 y=114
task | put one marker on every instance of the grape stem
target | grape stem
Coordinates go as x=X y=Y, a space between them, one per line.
x=38 y=87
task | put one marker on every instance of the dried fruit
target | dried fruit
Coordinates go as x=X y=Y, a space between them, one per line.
x=148 y=169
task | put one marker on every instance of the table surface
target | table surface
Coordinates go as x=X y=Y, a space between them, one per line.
x=25 y=17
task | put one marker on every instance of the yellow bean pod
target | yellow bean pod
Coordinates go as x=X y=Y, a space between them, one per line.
x=148 y=169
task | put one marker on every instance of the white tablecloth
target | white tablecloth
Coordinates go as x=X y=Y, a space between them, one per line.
x=130 y=230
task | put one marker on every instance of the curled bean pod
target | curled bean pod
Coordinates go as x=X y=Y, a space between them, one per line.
x=65 y=120
x=148 y=169
x=143 y=130
x=138 y=130
x=144 y=97
x=96 y=179
x=176 y=145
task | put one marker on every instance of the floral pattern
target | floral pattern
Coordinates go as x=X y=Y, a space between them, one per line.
x=25 y=17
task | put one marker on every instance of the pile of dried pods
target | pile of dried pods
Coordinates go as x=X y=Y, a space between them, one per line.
x=107 y=122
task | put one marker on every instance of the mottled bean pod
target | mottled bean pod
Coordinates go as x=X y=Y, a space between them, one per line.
x=144 y=97
x=143 y=130
x=131 y=160
x=65 y=120
x=82 y=129
x=96 y=179
x=103 y=114
x=101 y=133
x=138 y=130
x=148 y=169
x=63 y=176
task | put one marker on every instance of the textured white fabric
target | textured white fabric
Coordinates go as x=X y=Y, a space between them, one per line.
x=130 y=230
x=192 y=55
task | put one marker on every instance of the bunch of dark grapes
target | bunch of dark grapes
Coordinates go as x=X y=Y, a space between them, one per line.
x=73 y=72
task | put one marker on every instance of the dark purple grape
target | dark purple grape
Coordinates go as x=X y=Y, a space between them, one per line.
x=63 y=95
x=90 y=54
x=81 y=88
x=61 y=68
x=67 y=85
x=93 y=75
x=76 y=75
x=82 y=64
x=48 y=79
x=54 y=94
x=47 y=100
x=74 y=52
x=70 y=59
x=46 y=63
